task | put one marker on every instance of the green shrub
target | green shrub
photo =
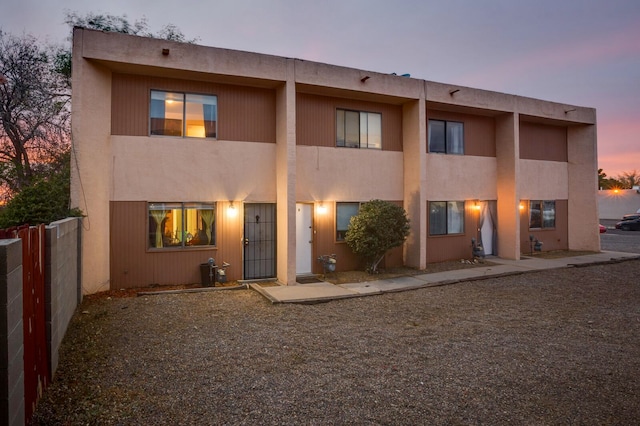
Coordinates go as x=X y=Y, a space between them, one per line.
x=44 y=201
x=378 y=227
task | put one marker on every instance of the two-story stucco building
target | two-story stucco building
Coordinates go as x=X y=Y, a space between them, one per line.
x=184 y=152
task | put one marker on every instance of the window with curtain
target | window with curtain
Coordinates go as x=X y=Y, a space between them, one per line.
x=358 y=129
x=446 y=217
x=446 y=137
x=542 y=214
x=344 y=212
x=180 y=225
x=183 y=114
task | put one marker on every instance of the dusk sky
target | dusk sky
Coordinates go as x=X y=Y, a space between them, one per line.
x=580 y=52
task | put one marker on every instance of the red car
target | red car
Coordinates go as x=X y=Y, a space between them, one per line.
x=603 y=228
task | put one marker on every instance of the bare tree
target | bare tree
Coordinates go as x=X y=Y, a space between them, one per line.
x=629 y=179
x=35 y=96
x=121 y=24
x=34 y=111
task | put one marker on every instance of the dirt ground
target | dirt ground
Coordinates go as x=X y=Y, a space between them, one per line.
x=551 y=347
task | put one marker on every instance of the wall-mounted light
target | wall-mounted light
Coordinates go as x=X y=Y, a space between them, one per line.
x=452 y=91
x=365 y=78
x=322 y=209
x=521 y=206
x=476 y=206
x=231 y=210
x=165 y=52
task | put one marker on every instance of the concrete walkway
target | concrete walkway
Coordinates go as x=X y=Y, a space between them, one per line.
x=324 y=291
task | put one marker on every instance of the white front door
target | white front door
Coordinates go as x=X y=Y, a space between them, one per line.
x=304 y=238
x=488 y=228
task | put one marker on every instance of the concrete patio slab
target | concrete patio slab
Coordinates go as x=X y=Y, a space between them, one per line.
x=304 y=292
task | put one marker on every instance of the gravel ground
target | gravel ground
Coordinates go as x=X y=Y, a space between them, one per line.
x=552 y=347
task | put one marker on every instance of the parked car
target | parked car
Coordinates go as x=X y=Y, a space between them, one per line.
x=629 y=222
x=603 y=228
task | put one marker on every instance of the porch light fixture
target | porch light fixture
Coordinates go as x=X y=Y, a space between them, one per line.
x=476 y=206
x=521 y=206
x=322 y=209
x=231 y=210
x=165 y=52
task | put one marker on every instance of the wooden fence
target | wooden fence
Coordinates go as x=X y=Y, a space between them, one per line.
x=40 y=289
x=36 y=364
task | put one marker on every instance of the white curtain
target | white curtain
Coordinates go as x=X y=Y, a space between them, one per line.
x=455 y=217
x=455 y=138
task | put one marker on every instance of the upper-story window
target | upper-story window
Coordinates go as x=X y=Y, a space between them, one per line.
x=358 y=129
x=446 y=137
x=183 y=114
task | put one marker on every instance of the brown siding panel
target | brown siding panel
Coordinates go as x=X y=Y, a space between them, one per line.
x=543 y=142
x=552 y=239
x=244 y=113
x=441 y=248
x=316 y=120
x=132 y=265
x=325 y=243
x=479 y=132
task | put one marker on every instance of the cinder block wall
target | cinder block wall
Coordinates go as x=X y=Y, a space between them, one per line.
x=11 y=334
x=62 y=278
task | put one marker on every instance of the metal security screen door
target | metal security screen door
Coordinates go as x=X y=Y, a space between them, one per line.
x=259 y=241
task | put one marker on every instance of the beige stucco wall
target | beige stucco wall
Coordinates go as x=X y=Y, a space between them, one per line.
x=508 y=176
x=544 y=180
x=121 y=51
x=146 y=168
x=286 y=178
x=90 y=171
x=460 y=177
x=343 y=174
x=582 y=155
x=414 y=132
x=615 y=204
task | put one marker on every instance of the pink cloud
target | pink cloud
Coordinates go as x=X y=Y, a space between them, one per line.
x=615 y=164
x=619 y=145
x=622 y=44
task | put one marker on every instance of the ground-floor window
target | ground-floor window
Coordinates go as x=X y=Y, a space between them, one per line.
x=179 y=225
x=446 y=217
x=344 y=212
x=542 y=214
